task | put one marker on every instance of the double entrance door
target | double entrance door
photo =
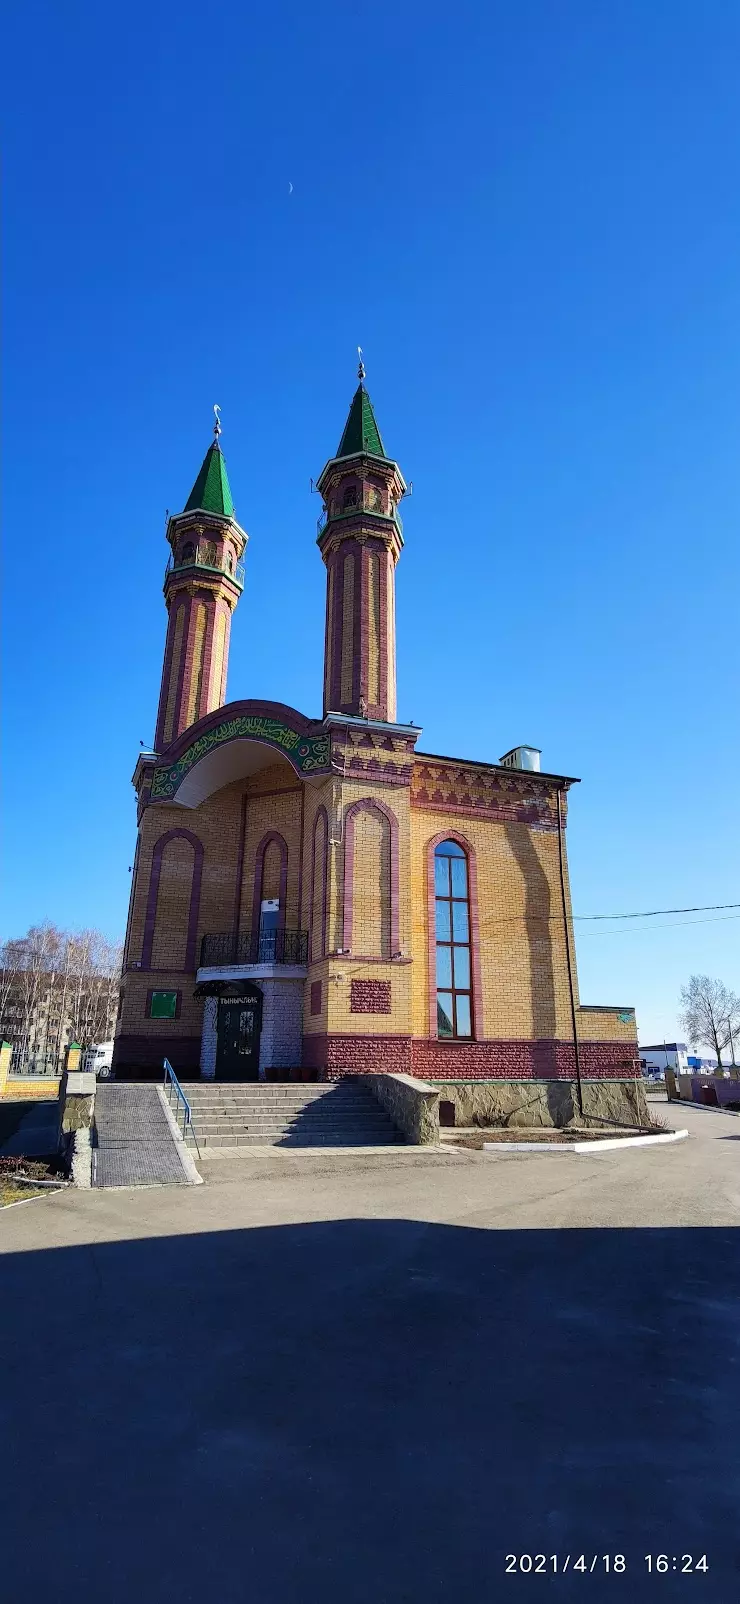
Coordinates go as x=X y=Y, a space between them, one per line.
x=239 y=1025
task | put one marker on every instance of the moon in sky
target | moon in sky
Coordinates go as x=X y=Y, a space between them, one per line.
x=290 y=188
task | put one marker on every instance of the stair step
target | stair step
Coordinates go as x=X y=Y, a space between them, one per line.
x=275 y=1114
x=319 y=1140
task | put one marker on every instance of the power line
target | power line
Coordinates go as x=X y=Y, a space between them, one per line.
x=673 y=925
x=652 y=913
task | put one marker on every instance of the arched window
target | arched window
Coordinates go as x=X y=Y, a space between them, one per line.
x=452 y=924
x=188 y=552
x=349 y=498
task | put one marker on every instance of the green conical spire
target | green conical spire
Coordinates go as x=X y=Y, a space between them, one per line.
x=361 y=432
x=211 y=492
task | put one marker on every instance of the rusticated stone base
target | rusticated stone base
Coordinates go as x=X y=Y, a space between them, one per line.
x=543 y=1103
x=412 y=1105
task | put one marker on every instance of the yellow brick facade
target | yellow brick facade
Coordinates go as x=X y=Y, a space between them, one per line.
x=335 y=821
x=349 y=860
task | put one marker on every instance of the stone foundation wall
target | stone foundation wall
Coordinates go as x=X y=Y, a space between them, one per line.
x=413 y=1106
x=543 y=1103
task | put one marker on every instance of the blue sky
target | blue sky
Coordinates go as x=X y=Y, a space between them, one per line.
x=527 y=216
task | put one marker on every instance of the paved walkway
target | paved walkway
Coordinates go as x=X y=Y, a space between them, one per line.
x=373 y=1377
x=135 y=1145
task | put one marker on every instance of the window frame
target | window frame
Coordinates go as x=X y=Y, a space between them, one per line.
x=451 y=900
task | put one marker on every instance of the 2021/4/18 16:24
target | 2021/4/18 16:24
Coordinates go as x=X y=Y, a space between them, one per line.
x=614 y=1563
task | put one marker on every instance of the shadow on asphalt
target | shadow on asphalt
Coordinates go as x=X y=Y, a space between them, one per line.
x=374 y=1411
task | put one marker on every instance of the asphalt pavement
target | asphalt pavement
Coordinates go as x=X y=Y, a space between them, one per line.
x=386 y=1377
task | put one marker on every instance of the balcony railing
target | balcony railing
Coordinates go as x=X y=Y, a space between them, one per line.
x=254 y=947
x=236 y=575
x=325 y=517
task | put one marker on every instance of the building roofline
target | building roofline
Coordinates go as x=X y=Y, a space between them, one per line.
x=500 y=768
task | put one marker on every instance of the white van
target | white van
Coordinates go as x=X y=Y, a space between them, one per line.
x=98 y=1060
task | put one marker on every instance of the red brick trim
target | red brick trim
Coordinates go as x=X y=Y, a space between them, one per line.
x=205 y=678
x=194 y=908
x=321 y=813
x=336 y=1055
x=335 y=687
x=271 y=835
x=368 y=804
x=522 y=1060
x=240 y=863
x=316 y=989
x=385 y=647
x=178 y=601
x=359 y=626
x=469 y=850
x=370 y=997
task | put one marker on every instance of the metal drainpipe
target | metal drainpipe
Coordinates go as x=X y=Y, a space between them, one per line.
x=561 y=862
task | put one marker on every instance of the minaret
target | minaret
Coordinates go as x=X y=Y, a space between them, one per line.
x=202 y=585
x=360 y=540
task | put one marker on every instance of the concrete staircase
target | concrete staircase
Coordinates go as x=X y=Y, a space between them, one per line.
x=267 y=1114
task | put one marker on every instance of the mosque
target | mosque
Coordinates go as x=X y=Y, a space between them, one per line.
x=315 y=897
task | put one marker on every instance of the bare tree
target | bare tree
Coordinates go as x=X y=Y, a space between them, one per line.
x=37 y=959
x=8 y=977
x=710 y=1013
x=96 y=980
x=55 y=987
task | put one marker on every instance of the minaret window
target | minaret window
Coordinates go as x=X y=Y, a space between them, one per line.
x=188 y=552
x=452 y=916
x=350 y=497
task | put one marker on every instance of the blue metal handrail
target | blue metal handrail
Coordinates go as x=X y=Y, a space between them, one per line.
x=171 y=1083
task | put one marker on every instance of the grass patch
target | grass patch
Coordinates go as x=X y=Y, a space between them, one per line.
x=17 y=1176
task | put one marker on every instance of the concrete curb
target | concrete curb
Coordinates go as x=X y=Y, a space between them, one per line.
x=609 y=1145
x=194 y=1178
x=628 y=1141
x=706 y=1108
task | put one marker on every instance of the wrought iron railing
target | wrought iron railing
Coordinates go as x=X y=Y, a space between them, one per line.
x=236 y=575
x=325 y=518
x=41 y=1068
x=255 y=947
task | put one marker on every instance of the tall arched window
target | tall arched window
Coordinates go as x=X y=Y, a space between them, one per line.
x=452 y=916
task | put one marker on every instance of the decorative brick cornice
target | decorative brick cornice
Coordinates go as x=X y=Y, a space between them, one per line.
x=471 y=792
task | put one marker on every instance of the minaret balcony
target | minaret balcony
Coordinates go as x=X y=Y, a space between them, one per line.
x=327 y=518
x=203 y=565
